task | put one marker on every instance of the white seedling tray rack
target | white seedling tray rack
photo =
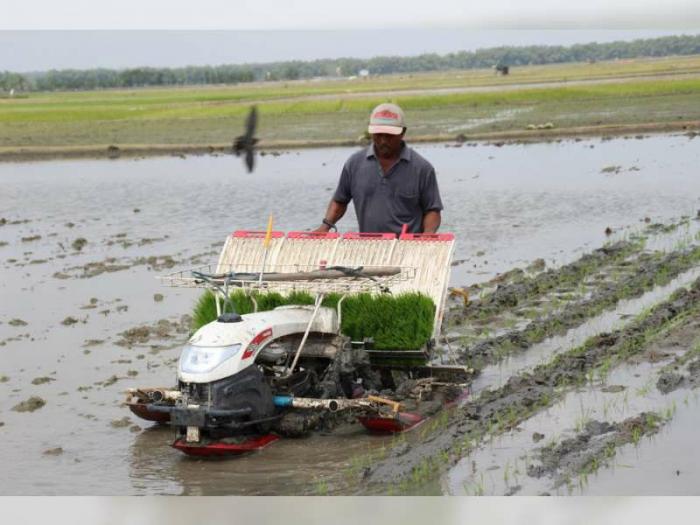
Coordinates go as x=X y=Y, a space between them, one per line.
x=423 y=260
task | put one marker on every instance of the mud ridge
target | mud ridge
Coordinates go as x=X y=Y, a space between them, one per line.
x=590 y=449
x=517 y=136
x=523 y=288
x=652 y=271
x=112 y=264
x=495 y=411
x=683 y=372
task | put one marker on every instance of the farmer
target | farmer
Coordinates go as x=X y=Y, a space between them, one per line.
x=389 y=183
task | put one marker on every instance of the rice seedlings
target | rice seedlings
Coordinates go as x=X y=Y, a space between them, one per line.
x=506 y=474
x=475 y=488
x=584 y=417
x=321 y=488
x=604 y=369
x=610 y=450
x=582 y=480
x=636 y=435
x=644 y=390
x=400 y=322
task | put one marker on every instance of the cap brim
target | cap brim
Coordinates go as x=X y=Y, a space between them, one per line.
x=389 y=130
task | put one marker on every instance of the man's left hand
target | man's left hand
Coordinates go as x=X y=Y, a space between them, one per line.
x=431 y=221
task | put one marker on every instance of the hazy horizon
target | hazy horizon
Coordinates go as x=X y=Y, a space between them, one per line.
x=31 y=51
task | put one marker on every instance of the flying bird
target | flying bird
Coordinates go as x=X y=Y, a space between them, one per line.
x=246 y=142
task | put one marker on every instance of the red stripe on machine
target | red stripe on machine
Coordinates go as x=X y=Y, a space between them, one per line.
x=248 y=234
x=256 y=342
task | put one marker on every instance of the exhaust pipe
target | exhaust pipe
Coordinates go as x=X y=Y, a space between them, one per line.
x=162 y=394
x=153 y=395
x=156 y=396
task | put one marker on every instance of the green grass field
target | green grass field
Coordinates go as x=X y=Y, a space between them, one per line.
x=445 y=103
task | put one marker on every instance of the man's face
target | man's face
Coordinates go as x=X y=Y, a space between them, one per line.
x=387 y=146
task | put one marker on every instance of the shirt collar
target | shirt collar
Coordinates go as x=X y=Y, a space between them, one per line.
x=404 y=155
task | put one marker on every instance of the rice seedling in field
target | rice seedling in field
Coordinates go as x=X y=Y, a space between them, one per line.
x=203 y=104
x=333 y=110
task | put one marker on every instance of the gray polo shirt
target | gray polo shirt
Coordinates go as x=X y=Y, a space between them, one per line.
x=385 y=202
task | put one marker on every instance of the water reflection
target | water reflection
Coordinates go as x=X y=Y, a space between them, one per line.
x=286 y=467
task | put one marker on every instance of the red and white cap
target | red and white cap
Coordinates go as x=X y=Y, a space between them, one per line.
x=387 y=118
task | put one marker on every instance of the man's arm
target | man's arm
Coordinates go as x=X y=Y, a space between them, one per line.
x=339 y=201
x=431 y=221
x=333 y=214
x=430 y=202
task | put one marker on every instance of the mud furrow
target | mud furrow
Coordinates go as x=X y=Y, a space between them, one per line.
x=522 y=396
x=495 y=375
x=519 y=315
x=654 y=271
x=524 y=288
x=591 y=448
x=503 y=463
x=683 y=372
x=560 y=287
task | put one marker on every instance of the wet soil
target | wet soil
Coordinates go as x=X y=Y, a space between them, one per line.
x=503 y=409
x=637 y=275
x=516 y=225
x=589 y=449
x=30 y=405
x=613 y=396
x=515 y=287
x=273 y=147
x=160 y=331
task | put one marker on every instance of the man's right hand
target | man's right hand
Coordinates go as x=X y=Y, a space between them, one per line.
x=333 y=214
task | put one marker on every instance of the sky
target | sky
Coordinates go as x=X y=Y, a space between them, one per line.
x=357 y=14
x=37 y=35
x=24 y=51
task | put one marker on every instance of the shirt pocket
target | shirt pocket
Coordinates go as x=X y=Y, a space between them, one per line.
x=406 y=205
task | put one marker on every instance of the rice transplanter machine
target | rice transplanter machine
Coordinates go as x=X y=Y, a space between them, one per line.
x=244 y=380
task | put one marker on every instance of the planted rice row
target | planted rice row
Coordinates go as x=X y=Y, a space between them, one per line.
x=219 y=107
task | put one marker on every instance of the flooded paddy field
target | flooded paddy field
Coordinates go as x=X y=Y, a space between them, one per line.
x=573 y=255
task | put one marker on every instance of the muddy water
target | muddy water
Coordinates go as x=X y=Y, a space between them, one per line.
x=494 y=376
x=648 y=468
x=514 y=203
x=500 y=465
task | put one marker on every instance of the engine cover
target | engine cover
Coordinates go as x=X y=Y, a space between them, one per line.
x=245 y=391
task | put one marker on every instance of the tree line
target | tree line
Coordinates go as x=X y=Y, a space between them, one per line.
x=88 y=79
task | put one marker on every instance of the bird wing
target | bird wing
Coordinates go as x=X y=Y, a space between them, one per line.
x=251 y=122
x=250 y=159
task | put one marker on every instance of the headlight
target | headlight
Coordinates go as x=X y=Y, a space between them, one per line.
x=200 y=359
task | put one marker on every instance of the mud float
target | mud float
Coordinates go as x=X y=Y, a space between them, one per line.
x=319 y=344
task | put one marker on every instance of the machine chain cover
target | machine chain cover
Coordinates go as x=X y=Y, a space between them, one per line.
x=188 y=417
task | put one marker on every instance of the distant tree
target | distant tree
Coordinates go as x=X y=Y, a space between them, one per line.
x=71 y=79
x=14 y=81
